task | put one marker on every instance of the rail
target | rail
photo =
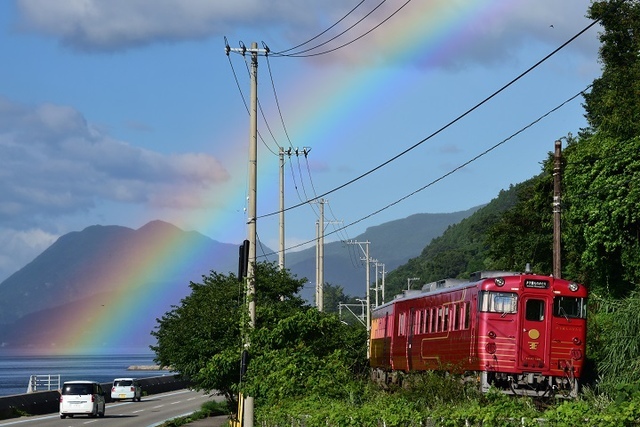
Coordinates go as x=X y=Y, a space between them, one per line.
x=43 y=382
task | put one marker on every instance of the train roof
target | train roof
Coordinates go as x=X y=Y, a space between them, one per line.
x=449 y=284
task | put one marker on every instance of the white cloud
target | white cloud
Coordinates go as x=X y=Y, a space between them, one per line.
x=17 y=248
x=98 y=25
x=55 y=163
x=120 y=24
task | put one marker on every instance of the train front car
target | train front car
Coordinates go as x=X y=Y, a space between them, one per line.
x=531 y=334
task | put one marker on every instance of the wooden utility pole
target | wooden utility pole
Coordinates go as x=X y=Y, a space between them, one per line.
x=557 y=210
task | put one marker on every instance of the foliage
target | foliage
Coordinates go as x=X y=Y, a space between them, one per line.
x=460 y=250
x=619 y=361
x=613 y=106
x=202 y=338
x=310 y=353
x=208 y=409
x=603 y=233
x=524 y=233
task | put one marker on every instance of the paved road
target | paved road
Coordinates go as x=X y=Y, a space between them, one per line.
x=151 y=411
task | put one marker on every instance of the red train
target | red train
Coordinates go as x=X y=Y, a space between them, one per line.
x=522 y=333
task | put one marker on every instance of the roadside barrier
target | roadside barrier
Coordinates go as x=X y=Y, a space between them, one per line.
x=46 y=402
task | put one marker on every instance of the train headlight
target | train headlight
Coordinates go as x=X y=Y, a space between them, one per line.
x=576 y=341
x=491 y=334
x=573 y=287
x=499 y=281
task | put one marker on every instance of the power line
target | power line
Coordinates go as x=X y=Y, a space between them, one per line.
x=446 y=126
x=452 y=171
x=323 y=32
x=300 y=54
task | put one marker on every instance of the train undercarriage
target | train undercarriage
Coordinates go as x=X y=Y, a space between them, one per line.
x=531 y=384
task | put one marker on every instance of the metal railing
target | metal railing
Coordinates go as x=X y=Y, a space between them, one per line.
x=43 y=382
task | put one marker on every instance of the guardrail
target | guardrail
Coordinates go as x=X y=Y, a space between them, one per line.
x=47 y=402
x=43 y=382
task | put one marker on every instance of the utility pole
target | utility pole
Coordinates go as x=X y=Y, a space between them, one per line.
x=377 y=264
x=247 y=419
x=366 y=258
x=383 y=275
x=281 y=175
x=557 y=209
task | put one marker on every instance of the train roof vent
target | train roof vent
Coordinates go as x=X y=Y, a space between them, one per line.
x=430 y=287
x=449 y=283
x=477 y=275
x=441 y=284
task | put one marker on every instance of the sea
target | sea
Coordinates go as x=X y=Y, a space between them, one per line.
x=15 y=370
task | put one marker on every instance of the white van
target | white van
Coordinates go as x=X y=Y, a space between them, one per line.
x=81 y=398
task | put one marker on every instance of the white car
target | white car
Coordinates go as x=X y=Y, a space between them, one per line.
x=126 y=388
x=81 y=398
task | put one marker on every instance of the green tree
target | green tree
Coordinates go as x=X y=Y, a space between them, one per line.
x=524 y=233
x=308 y=353
x=201 y=339
x=602 y=233
x=613 y=105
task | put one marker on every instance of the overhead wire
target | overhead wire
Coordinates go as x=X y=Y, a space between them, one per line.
x=300 y=54
x=446 y=126
x=457 y=168
x=323 y=32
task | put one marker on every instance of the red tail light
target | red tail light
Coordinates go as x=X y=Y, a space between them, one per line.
x=60 y=399
x=133 y=389
x=93 y=398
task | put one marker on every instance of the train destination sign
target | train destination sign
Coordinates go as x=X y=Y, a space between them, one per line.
x=538 y=284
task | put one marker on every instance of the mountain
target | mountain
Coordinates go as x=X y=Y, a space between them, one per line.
x=392 y=243
x=106 y=285
x=102 y=288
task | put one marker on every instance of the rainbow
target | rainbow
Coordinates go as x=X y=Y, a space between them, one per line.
x=428 y=33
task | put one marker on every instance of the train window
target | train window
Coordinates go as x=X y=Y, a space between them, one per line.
x=425 y=325
x=534 y=310
x=454 y=317
x=570 y=307
x=467 y=315
x=498 y=302
x=445 y=322
x=402 y=325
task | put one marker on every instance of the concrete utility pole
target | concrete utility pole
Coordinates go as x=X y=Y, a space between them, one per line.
x=557 y=209
x=383 y=275
x=248 y=406
x=366 y=259
x=376 y=264
x=281 y=174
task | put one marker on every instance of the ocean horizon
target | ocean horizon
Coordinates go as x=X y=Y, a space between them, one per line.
x=17 y=367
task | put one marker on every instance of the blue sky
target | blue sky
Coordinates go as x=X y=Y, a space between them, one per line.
x=124 y=111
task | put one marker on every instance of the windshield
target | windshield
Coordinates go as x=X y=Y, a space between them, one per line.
x=570 y=307
x=78 y=389
x=498 y=302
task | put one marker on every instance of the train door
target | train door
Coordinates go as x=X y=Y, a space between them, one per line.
x=410 y=327
x=533 y=336
x=472 y=312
